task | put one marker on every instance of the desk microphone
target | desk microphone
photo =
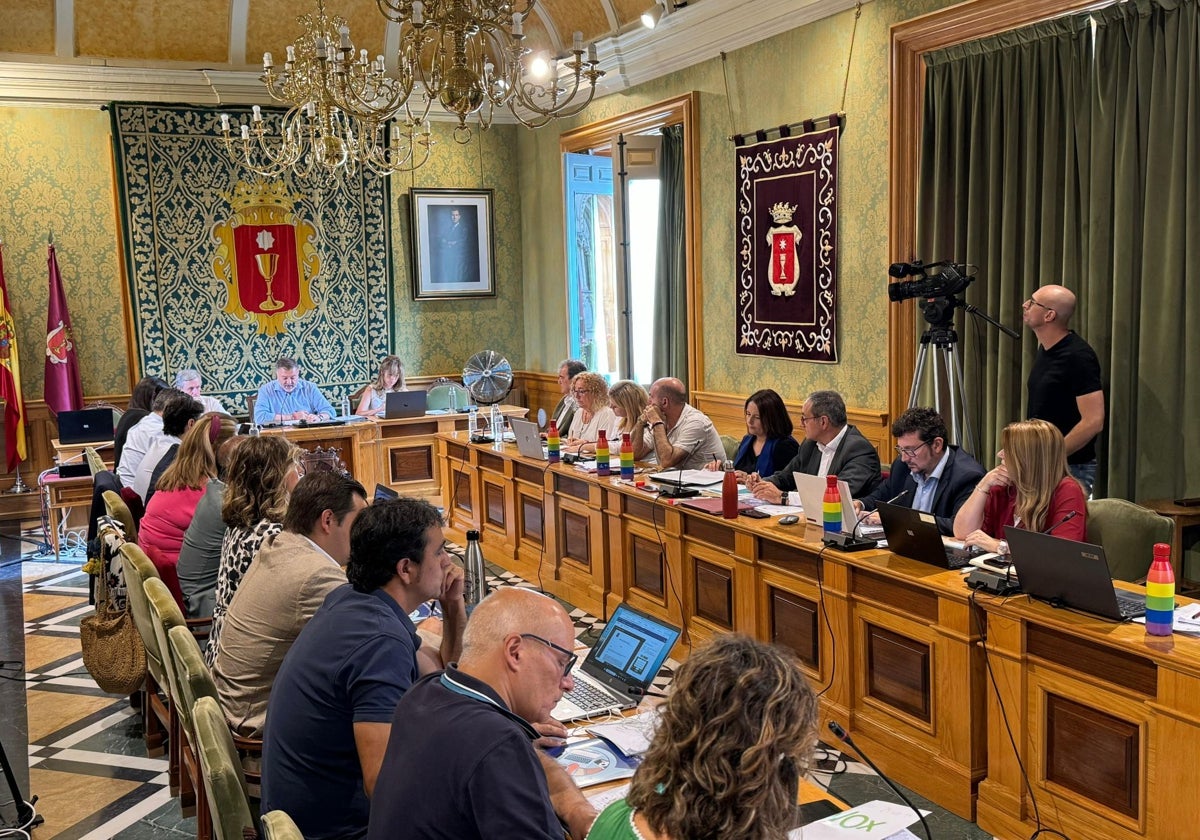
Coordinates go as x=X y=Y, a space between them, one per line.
x=844 y=736
x=677 y=490
x=644 y=692
x=867 y=513
x=1070 y=515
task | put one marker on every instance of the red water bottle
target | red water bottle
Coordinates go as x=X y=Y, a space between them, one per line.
x=729 y=492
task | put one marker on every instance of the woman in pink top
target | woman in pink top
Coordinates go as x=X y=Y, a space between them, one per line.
x=1030 y=489
x=177 y=493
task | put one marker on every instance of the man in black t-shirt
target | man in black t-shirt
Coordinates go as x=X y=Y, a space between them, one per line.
x=1064 y=385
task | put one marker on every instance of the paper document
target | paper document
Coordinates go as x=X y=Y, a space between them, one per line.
x=604 y=798
x=631 y=735
x=701 y=478
x=780 y=510
x=592 y=761
x=1187 y=620
x=877 y=820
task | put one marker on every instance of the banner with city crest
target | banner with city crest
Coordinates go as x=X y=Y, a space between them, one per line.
x=786 y=284
x=228 y=271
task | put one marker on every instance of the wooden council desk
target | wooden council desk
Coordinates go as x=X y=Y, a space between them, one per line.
x=888 y=642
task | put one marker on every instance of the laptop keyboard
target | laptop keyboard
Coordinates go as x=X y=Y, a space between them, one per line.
x=959 y=557
x=1130 y=605
x=587 y=697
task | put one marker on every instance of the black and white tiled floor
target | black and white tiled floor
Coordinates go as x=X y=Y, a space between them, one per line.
x=87 y=762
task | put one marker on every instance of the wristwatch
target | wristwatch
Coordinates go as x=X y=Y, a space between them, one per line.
x=1002 y=547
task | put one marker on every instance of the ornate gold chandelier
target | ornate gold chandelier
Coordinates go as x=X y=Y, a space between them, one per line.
x=469 y=56
x=344 y=111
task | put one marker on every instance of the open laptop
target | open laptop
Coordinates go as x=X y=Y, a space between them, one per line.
x=87 y=426
x=812 y=498
x=383 y=493
x=914 y=534
x=620 y=667
x=405 y=404
x=1071 y=574
x=525 y=432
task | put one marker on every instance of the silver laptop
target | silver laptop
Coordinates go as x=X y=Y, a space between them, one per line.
x=812 y=498
x=529 y=442
x=618 y=670
x=1065 y=573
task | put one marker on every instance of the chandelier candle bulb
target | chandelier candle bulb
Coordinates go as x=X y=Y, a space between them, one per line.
x=577 y=43
x=1160 y=593
x=256 y=114
x=418 y=13
x=516 y=27
x=225 y=122
x=267 y=61
x=245 y=131
x=291 y=54
x=831 y=506
x=593 y=56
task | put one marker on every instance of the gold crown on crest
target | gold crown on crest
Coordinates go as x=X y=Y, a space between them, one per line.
x=261 y=193
x=782 y=212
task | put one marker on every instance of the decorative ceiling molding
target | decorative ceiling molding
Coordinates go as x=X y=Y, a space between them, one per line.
x=636 y=55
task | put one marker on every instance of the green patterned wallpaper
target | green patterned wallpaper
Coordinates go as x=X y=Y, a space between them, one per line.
x=790 y=77
x=56 y=175
x=436 y=336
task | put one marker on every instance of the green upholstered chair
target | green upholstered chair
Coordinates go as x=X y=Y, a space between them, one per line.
x=165 y=614
x=277 y=825
x=1127 y=532
x=731 y=446
x=95 y=462
x=118 y=510
x=155 y=714
x=194 y=681
x=224 y=785
x=439 y=396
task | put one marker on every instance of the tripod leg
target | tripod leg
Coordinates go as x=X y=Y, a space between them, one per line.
x=958 y=401
x=918 y=373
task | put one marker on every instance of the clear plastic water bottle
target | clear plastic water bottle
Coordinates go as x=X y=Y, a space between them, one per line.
x=473 y=422
x=345 y=405
x=474 y=574
x=253 y=431
x=453 y=399
x=496 y=421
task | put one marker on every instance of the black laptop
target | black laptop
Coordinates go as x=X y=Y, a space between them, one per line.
x=1072 y=574
x=405 y=404
x=87 y=426
x=914 y=534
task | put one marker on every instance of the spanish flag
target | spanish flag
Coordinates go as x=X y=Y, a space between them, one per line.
x=10 y=380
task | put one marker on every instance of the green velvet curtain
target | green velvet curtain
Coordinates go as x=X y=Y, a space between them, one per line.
x=670 y=304
x=1067 y=152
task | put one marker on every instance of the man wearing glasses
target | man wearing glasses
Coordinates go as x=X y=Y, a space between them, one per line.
x=1064 y=385
x=831 y=447
x=929 y=474
x=462 y=761
x=330 y=709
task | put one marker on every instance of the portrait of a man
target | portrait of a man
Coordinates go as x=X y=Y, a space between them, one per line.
x=455 y=256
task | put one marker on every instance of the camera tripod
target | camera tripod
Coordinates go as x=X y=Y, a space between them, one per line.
x=944 y=339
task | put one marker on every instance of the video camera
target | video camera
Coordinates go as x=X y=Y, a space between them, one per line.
x=938 y=284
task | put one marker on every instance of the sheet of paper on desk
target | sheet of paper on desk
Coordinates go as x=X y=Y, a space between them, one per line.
x=1186 y=621
x=876 y=820
x=631 y=735
x=608 y=796
x=592 y=761
x=700 y=478
x=780 y=510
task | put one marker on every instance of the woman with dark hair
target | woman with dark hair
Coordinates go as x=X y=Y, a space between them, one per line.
x=734 y=739
x=768 y=445
x=258 y=484
x=389 y=378
x=1030 y=489
x=139 y=406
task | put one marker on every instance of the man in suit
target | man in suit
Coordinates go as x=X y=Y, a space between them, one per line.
x=831 y=447
x=929 y=474
x=565 y=410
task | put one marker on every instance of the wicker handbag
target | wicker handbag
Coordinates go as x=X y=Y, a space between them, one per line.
x=113 y=651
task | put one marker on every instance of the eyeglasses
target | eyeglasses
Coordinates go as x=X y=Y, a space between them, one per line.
x=579 y=391
x=909 y=451
x=804 y=419
x=572 y=658
x=1032 y=302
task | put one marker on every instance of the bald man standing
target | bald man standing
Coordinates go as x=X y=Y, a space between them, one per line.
x=1064 y=384
x=461 y=761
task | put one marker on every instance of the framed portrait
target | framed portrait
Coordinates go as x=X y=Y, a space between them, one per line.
x=452 y=244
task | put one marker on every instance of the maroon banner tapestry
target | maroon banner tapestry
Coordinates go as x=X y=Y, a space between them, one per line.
x=787 y=247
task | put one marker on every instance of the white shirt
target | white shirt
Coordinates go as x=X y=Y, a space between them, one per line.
x=145 y=470
x=927 y=485
x=590 y=431
x=695 y=433
x=137 y=443
x=828 y=450
x=210 y=404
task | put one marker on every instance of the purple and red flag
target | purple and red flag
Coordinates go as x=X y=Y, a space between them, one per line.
x=63 y=391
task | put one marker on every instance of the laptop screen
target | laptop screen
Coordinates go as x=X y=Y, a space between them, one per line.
x=633 y=646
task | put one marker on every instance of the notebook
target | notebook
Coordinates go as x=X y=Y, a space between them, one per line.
x=529 y=442
x=812 y=498
x=405 y=404
x=1071 y=574
x=87 y=426
x=914 y=534
x=620 y=667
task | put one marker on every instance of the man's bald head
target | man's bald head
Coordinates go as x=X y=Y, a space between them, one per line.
x=671 y=388
x=506 y=611
x=1060 y=299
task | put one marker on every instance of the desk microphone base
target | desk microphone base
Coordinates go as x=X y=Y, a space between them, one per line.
x=994 y=583
x=671 y=491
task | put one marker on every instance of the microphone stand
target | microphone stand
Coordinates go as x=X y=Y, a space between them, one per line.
x=678 y=491
x=844 y=736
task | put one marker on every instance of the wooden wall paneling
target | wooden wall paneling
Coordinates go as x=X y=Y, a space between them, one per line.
x=581 y=545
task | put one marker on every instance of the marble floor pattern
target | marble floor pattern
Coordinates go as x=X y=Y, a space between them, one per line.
x=88 y=765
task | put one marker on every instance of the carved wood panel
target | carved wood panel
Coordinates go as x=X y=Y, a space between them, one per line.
x=794 y=624
x=1093 y=754
x=898 y=671
x=648 y=565
x=576 y=542
x=410 y=464
x=494 y=504
x=713 y=593
x=532 y=518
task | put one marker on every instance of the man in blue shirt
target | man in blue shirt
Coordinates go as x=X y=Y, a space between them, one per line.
x=290 y=398
x=929 y=474
x=330 y=710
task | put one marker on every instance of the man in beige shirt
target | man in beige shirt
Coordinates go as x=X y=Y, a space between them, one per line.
x=288 y=580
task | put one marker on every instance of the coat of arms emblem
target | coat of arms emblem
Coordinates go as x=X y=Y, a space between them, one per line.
x=784 y=269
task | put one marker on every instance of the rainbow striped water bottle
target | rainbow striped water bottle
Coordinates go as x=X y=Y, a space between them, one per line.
x=1160 y=593
x=626 y=458
x=553 y=444
x=831 y=506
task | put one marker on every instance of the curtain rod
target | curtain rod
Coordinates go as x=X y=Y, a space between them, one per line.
x=837 y=120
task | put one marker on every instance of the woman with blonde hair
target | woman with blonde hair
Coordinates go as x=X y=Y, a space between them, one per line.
x=628 y=400
x=258 y=485
x=178 y=491
x=389 y=378
x=734 y=739
x=594 y=413
x=1030 y=489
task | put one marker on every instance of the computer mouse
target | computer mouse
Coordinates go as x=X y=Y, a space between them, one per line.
x=790 y=519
